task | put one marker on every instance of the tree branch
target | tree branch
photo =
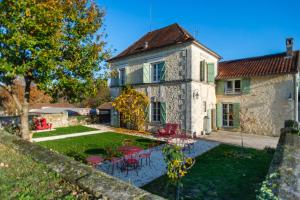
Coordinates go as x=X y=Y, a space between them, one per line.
x=15 y=98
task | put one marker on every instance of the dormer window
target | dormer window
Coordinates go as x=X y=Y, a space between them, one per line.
x=233 y=87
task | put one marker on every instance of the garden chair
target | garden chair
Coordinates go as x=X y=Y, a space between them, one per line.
x=146 y=155
x=131 y=163
x=113 y=158
x=166 y=132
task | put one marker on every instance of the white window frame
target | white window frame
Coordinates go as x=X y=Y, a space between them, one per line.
x=122 y=78
x=155 y=72
x=234 y=89
x=227 y=125
x=155 y=117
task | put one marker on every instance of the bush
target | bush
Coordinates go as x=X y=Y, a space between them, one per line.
x=293 y=125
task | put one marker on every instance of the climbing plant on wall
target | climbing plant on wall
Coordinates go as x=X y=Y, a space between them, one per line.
x=132 y=105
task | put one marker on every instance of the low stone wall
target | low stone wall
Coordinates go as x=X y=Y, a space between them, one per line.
x=97 y=183
x=284 y=172
x=63 y=120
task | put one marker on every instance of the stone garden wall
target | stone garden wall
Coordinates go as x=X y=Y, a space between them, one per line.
x=97 y=183
x=63 y=120
x=283 y=180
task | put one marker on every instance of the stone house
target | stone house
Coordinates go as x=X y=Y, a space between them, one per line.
x=256 y=95
x=186 y=84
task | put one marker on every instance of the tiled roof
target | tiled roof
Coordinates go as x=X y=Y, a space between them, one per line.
x=169 y=35
x=259 y=66
x=106 y=106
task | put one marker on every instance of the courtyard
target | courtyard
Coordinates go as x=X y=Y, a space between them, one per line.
x=216 y=164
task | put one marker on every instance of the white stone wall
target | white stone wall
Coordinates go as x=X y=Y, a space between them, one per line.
x=182 y=78
x=265 y=109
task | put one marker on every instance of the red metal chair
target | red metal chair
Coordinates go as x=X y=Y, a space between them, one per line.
x=169 y=130
x=147 y=155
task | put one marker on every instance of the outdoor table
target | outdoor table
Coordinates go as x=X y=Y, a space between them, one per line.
x=94 y=160
x=129 y=150
x=129 y=162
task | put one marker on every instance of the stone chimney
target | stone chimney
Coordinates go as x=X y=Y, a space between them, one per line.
x=289 y=47
x=146 y=45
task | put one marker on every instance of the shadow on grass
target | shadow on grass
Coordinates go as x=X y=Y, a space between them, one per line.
x=96 y=151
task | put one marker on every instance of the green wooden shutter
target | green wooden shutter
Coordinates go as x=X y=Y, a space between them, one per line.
x=236 y=115
x=146 y=73
x=162 y=68
x=219 y=115
x=246 y=86
x=163 y=116
x=220 y=87
x=202 y=70
x=210 y=72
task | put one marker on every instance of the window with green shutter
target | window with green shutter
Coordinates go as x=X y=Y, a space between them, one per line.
x=210 y=72
x=146 y=73
x=158 y=71
x=158 y=112
x=230 y=115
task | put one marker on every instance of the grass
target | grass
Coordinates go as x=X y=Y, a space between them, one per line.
x=63 y=131
x=84 y=146
x=224 y=173
x=23 y=178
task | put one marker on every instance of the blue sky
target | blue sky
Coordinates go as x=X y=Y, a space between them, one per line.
x=232 y=28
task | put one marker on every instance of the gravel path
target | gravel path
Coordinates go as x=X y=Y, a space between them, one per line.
x=148 y=173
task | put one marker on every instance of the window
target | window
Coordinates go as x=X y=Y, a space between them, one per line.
x=227 y=115
x=156 y=71
x=122 y=76
x=233 y=87
x=155 y=111
x=204 y=106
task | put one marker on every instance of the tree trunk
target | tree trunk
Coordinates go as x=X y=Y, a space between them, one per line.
x=25 y=110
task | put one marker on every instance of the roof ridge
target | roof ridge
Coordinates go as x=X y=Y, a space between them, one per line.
x=257 y=57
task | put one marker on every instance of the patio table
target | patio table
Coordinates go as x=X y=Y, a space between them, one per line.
x=129 y=150
x=94 y=160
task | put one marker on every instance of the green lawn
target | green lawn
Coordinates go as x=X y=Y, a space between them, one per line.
x=224 y=173
x=23 y=178
x=63 y=131
x=83 y=146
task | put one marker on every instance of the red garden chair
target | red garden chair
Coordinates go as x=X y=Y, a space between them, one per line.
x=169 y=130
x=146 y=155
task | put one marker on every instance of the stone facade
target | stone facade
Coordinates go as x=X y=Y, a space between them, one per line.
x=269 y=103
x=182 y=81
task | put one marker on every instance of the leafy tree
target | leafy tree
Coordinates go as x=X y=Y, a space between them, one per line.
x=54 y=44
x=101 y=96
x=132 y=105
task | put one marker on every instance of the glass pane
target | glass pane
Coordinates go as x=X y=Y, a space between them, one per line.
x=230 y=123
x=229 y=85
x=237 y=85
